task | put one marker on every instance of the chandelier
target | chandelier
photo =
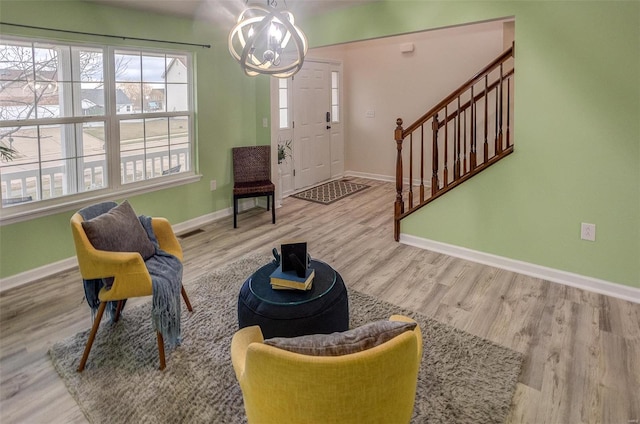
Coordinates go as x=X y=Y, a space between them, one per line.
x=266 y=41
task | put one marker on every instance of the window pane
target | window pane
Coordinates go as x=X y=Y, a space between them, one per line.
x=177 y=69
x=20 y=175
x=92 y=102
x=17 y=80
x=154 y=101
x=153 y=68
x=91 y=65
x=131 y=134
x=177 y=97
x=129 y=97
x=179 y=130
x=93 y=140
x=44 y=85
x=284 y=118
x=127 y=67
x=179 y=158
x=335 y=97
x=95 y=172
x=283 y=102
x=92 y=156
x=132 y=166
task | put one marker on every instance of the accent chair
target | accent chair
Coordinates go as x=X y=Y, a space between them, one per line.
x=373 y=384
x=125 y=270
x=252 y=177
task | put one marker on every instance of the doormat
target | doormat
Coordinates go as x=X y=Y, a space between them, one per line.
x=330 y=192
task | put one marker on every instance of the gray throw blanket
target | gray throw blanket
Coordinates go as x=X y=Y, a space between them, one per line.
x=166 y=276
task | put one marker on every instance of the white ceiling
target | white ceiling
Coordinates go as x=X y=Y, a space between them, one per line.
x=223 y=10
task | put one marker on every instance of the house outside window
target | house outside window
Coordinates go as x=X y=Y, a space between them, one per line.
x=84 y=118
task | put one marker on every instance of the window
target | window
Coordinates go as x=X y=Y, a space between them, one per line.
x=335 y=97
x=73 y=117
x=283 y=102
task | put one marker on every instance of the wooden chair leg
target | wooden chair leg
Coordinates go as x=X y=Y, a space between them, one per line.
x=161 y=350
x=92 y=336
x=118 y=310
x=186 y=299
x=273 y=209
x=235 y=212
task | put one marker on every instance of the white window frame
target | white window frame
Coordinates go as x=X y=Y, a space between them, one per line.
x=115 y=188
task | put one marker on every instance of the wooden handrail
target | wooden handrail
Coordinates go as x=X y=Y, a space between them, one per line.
x=464 y=87
x=457 y=146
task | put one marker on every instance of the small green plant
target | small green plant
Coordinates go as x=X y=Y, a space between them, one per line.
x=7 y=154
x=284 y=150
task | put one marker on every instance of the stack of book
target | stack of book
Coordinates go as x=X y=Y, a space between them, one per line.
x=289 y=280
x=293 y=272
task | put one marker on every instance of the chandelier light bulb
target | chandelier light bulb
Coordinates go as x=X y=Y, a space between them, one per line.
x=259 y=42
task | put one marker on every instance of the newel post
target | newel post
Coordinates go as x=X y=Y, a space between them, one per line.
x=399 y=204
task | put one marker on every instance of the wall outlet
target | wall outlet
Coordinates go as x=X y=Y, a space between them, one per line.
x=588 y=231
x=265 y=122
x=213 y=185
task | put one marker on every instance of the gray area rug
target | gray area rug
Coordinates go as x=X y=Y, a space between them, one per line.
x=330 y=192
x=463 y=378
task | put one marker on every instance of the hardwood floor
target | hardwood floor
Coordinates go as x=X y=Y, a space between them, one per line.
x=582 y=349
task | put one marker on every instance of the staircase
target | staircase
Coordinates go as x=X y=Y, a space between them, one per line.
x=461 y=136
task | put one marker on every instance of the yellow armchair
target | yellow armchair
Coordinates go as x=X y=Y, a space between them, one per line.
x=128 y=270
x=377 y=385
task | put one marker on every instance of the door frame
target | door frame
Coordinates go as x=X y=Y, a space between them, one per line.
x=337 y=134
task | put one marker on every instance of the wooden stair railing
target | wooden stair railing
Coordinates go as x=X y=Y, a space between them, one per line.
x=480 y=109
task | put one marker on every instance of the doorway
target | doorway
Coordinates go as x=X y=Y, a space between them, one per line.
x=308 y=110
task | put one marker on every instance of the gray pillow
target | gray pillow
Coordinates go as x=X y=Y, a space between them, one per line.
x=119 y=230
x=343 y=343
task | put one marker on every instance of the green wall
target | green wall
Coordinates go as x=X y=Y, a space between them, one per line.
x=577 y=133
x=577 y=130
x=226 y=117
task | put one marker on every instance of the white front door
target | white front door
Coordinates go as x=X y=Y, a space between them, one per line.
x=312 y=124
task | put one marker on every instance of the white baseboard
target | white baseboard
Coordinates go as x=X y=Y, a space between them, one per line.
x=389 y=179
x=25 y=277
x=595 y=285
x=195 y=223
x=34 y=274
x=379 y=177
